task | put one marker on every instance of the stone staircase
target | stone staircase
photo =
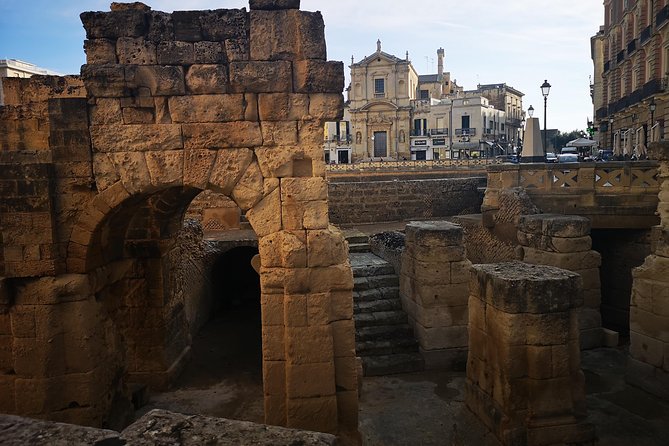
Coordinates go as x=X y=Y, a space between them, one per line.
x=384 y=339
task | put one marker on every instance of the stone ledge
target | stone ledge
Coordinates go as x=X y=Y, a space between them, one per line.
x=158 y=427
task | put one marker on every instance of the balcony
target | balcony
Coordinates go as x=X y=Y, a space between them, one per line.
x=645 y=35
x=436 y=132
x=662 y=16
x=631 y=46
x=513 y=122
x=651 y=87
x=621 y=56
x=465 y=132
x=602 y=113
x=419 y=132
x=607 y=66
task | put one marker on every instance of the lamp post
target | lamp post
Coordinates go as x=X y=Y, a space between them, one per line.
x=530 y=111
x=611 y=130
x=652 y=106
x=545 y=89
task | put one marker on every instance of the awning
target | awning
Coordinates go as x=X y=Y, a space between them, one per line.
x=465 y=145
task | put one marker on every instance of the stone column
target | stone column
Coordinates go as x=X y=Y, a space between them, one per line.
x=564 y=241
x=648 y=365
x=434 y=289
x=536 y=152
x=524 y=379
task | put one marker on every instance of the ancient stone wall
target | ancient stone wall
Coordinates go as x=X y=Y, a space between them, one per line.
x=228 y=101
x=648 y=366
x=564 y=241
x=378 y=201
x=524 y=378
x=434 y=283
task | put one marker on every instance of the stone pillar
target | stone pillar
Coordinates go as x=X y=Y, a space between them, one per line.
x=434 y=289
x=648 y=365
x=564 y=241
x=524 y=379
x=533 y=146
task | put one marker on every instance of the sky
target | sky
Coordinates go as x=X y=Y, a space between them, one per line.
x=517 y=42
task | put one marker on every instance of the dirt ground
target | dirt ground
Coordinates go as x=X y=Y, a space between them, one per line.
x=224 y=379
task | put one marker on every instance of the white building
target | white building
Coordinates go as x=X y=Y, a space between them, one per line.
x=18 y=68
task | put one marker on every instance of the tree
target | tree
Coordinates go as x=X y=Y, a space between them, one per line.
x=562 y=138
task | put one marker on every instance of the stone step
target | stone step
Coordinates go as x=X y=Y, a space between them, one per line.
x=387 y=347
x=358 y=247
x=392 y=292
x=367 y=264
x=383 y=332
x=374 y=306
x=391 y=364
x=357 y=238
x=371 y=282
x=380 y=318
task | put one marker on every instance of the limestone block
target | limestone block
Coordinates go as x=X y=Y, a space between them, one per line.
x=317 y=414
x=166 y=167
x=326 y=247
x=331 y=278
x=161 y=27
x=274 y=4
x=138 y=115
x=304 y=189
x=427 y=273
x=249 y=189
x=136 y=51
x=207 y=79
x=326 y=106
x=209 y=53
x=309 y=345
x=341 y=305
x=222 y=135
x=8 y=400
x=460 y=271
x=197 y=167
x=133 y=170
x=591 y=278
x=175 y=53
x=571 y=244
x=437 y=316
x=100 y=51
x=318 y=76
x=272 y=308
x=261 y=77
x=315 y=215
x=274 y=377
x=310 y=380
x=310 y=133
x=429 y=296
x=187 y=26
x=136 y=138
x=112 y=25
x=104 y=171
x=571 y=261
x=548 y=397
x=319 y=309
x=161 y=110
x=105 y=81
x=436 y=338
x=292 y=248
x=295 y=310
x=238 y=50
x=649 y=324
x=653 y=268
x=207 y=108
x=311 y=35
x=273 y=343
x=279 y=133
x=155 y=79
x=435 y=253
x=228 y=169
x=283 y=107
x=555 y=225
x=265 y=217
x=223 y=24
x=277 y=162
x=434 y=233
x=549 y=329
x=23 y=321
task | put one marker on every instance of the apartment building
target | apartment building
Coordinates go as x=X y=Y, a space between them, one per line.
x=630 y=56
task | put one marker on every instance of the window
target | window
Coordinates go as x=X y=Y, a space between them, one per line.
x=379 y=87
x=425 y=94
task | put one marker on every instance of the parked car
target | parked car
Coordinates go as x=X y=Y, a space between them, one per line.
x=567 y=158
x=551 y=158
x=569 y=150
x=508 y=158
x=604 y=155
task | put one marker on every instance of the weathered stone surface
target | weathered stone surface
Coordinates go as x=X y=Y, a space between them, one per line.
x=238 y=50
x=555 y=225
x=105 y=81
x=135 y=51
x=140 y=137
x=207 y=108
x=222 y=135
x=100 y=51
x=265 y=217
x=124 y=23
x=18 y=431
x=106 y=111
x=175 y=53
x=283 y=107
x=207 y=79
x=155 y=80
x=279 y=133
x=433 y=233
x=197 y=167
x=228 y=168
x=210 y=53
x=261 y=77
x=318 y=76
x=166 y=167
x=326 y=107
x=249 y=189
x=287 y=35
x=274 y=4
x=223 y=24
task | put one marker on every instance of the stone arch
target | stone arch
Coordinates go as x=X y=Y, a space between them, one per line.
x=230 y=101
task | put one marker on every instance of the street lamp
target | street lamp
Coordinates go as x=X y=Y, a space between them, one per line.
x=545 y=89
x=530 y=111
x=611 y=130
x=652 y=106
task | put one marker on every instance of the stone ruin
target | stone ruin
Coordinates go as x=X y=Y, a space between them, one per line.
x=97 y=178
